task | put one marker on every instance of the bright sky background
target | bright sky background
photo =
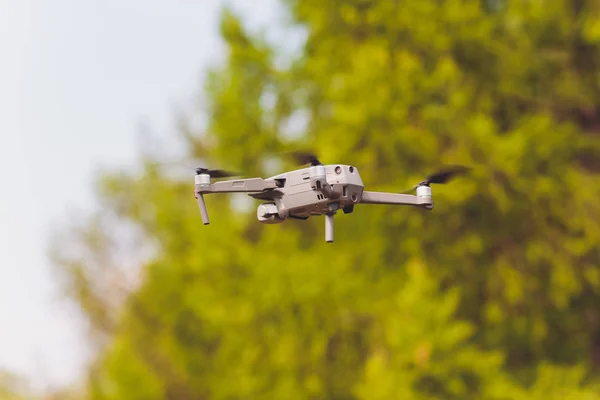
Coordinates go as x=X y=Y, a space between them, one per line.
x=76 y=79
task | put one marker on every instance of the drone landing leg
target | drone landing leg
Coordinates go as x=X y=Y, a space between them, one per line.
x=329 y=227
x=203 y=210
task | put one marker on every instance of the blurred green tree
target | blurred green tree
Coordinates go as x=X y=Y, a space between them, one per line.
x=493 y=295
x=12 y=386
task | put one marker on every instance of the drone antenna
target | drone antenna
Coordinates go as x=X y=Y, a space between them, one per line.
x=203 y=209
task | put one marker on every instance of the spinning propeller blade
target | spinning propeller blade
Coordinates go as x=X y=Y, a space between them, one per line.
x=442 y=176
x=215 y=173
x=446 y=174
x=302 y=158
x=185 y=165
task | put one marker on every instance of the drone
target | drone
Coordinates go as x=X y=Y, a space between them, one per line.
x=314 y=190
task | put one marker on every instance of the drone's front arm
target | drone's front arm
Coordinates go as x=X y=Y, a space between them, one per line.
x=237 y=186
x=251 y=185
x=396 y=199
x=422 y=200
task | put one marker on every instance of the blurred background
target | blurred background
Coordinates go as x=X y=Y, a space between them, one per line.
x=111 y=287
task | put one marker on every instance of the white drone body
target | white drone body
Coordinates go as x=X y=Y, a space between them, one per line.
x=316 y=190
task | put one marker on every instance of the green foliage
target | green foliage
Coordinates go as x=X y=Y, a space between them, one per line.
x=11 y=386
x=492 y=295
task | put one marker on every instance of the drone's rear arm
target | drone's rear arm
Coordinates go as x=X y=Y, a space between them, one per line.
x=396 y=199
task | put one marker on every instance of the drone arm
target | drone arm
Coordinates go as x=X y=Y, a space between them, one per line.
x=396 y=199
x=203 y=186
x=242 y=185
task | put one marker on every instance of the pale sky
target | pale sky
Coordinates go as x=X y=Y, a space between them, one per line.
x=76 y=79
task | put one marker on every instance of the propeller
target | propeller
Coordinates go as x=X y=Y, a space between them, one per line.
x=303 y=157
x=185 y=165
x=215 y=173
x=442 y=176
